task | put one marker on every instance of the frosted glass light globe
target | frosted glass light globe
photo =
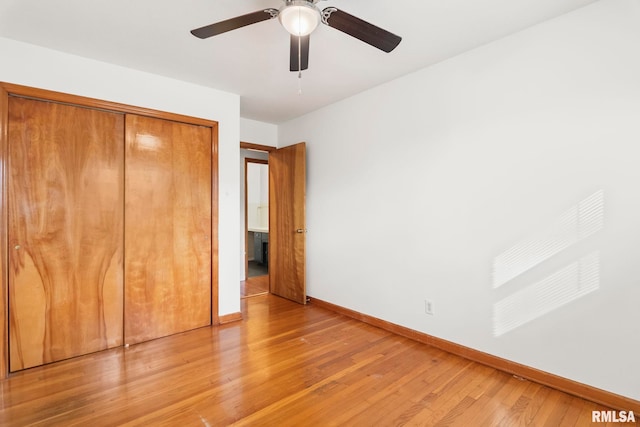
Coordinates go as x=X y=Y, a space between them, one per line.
x=299 y=18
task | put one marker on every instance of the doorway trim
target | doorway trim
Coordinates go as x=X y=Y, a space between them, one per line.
x=264 y=149
x=257 y=147
x=246 y=213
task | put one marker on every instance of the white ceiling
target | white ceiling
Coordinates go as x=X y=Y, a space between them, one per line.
x=153 y=36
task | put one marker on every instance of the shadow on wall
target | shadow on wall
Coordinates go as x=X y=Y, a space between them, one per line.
x=568 y=284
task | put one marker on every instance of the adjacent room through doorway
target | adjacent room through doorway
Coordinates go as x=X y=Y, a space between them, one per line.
x=256 y=230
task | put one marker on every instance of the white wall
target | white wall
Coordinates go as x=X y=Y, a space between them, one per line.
x=418 y=189
x=47 y=69
x=257 y=132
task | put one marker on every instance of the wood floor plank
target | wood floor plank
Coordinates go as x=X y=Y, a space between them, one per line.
x=367 y=388
x=394 y=399
x=575 y=408
x=517 y=413
x=256 y=285
x=284 y=364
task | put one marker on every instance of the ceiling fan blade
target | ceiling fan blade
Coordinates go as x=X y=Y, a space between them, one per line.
x=234 y=23
x=362 y=30
x=299 y=56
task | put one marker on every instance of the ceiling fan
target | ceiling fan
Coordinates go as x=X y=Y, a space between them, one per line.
x=300 y=18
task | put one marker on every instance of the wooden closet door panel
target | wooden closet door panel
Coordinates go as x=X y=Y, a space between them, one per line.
x=167 y=228
x=65 y=201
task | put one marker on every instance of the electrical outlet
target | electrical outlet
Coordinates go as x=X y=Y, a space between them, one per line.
x=428 y=307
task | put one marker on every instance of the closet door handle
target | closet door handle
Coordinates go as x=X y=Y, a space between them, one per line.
x=301 y=230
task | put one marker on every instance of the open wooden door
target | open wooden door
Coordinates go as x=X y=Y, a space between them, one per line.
x=287 y=193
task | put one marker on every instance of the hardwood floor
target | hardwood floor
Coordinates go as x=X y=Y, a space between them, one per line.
x=253 y=286
x=285 y=364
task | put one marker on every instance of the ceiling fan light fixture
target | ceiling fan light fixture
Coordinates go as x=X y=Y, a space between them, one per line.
x=299 y=17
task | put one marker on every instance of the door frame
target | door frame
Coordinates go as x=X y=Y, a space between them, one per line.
x=246 y=214
x=7 y=90
x=273 y=187
x=264 y=149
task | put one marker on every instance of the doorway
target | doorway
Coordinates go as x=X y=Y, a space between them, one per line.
x=256 y=221
x=257 y=226
x=285 y=242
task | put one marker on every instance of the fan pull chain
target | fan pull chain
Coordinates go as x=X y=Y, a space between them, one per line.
x=299 y=56
x=299 y=65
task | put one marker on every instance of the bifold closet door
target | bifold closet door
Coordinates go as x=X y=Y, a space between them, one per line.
x=65 y=227
x=167 y=228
